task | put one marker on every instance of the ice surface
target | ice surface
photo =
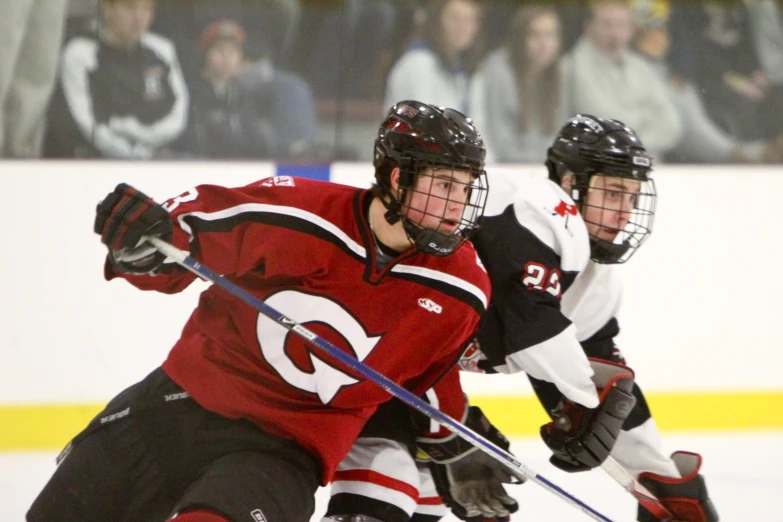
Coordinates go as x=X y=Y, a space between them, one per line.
x=744 y=476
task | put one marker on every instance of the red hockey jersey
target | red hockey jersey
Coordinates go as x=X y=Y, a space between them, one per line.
x=305 y=248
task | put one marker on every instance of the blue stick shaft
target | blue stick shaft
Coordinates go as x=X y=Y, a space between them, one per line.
x=517 y=468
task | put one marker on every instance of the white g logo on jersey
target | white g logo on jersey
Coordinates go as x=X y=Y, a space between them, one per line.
x=325 y=380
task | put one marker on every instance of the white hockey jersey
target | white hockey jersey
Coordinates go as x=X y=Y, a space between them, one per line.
x=534 y=245
x=551 y=306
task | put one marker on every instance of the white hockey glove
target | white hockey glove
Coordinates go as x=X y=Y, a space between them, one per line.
x=469 y=481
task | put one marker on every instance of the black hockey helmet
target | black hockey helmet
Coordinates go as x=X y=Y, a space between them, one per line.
x=587 y=145
x=414 y=136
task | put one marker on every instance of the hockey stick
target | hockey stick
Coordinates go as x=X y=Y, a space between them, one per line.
x=615 y=470
x=517 y=469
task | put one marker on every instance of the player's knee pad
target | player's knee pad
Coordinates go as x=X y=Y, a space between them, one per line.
x=685 y=497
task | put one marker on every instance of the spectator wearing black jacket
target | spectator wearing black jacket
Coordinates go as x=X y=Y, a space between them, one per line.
x=121 y=91
x=713 y=45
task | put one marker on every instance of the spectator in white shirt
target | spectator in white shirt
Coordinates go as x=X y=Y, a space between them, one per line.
x=604 y=76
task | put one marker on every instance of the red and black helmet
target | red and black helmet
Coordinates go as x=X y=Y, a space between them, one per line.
x=415 y=131
x=416 y=135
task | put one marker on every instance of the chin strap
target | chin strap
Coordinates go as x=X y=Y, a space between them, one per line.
x=393 y=206
x=425 y=240
x=392 y=214
x=431 y=241
x=602 y=251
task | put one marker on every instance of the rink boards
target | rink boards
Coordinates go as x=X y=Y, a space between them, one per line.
x=699 y=318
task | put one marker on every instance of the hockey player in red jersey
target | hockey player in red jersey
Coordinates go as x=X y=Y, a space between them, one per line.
x=242 y=421
x=548 y=246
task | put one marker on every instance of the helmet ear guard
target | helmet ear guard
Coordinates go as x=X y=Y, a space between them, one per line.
x=407 y=179
x=587 y=146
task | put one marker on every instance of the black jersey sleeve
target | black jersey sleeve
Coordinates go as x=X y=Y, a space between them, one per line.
x=527 y=282
x=533 y=248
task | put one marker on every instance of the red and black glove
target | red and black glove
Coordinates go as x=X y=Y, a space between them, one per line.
x=122 y=219
x=685 y=497
x=582 y=438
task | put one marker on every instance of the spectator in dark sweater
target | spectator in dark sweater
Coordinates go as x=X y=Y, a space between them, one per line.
x=247 y=109
x=713 y=45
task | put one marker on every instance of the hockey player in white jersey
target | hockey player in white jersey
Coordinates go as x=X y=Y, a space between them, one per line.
x=548 y=246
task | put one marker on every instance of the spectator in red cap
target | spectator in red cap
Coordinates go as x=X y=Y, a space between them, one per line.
x=249 y=109
x=226 y=30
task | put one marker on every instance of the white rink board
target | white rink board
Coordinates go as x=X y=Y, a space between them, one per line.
x=701 y=308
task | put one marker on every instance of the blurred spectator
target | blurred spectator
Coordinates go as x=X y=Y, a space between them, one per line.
x=225 y=121
x=495 y=20
x=604 y=76
x=522 y=80
x=441 y=69
x=713 y=46
x=766 y=21
x=340 y=45
x=270 y=26
x=31 y=32
x=702 y=140
x=498 y=15
x=82 y=14
x=122 y=94
x=249 y=110
x=82 y=9
x=410 y=18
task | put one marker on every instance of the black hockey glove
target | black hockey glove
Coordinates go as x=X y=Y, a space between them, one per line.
x=581 y=438
x=469 y=481
x=685 y=497
x=121 y=220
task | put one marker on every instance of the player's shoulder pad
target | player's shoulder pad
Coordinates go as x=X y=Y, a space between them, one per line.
x=465 y=269
x=316 y=201
x=545 y=210
x=593 y=299
x=472 y=262
x=284 y=182
x=292 y=188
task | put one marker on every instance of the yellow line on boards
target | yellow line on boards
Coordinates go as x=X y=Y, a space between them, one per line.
x=50 y=426
x=43 y=426
x=689 y=411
